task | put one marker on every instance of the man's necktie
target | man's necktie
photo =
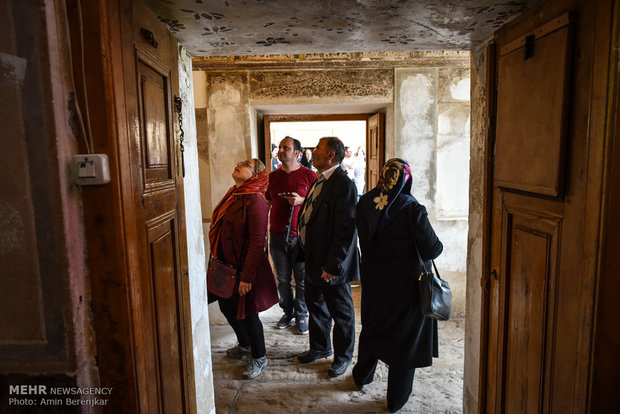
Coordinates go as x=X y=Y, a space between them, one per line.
x=307 y=211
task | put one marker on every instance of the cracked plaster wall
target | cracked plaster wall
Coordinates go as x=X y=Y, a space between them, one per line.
x=432 y=134
x=203 y=374
x=228 y=125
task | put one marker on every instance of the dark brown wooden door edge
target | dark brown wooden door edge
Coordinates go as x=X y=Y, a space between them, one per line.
x=604 y=378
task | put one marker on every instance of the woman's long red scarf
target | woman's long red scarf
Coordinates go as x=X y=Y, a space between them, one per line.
x=253 y=185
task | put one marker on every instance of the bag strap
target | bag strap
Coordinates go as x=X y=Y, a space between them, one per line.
x=418 y=251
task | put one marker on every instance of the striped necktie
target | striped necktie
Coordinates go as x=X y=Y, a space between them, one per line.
x=307 y=211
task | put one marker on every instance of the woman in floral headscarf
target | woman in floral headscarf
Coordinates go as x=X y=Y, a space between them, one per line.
x=393 y=328
x=237 y=237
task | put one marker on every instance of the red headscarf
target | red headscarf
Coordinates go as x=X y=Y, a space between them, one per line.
x=256 y=184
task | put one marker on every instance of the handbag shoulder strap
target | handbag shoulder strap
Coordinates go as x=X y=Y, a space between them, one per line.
x=418 y=250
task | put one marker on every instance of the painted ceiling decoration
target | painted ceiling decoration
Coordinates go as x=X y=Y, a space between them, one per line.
x=250 y=27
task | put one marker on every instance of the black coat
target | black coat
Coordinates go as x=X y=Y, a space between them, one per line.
x=331 y=237
x=393 y=328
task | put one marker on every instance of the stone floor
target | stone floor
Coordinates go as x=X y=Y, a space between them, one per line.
x=286 y=386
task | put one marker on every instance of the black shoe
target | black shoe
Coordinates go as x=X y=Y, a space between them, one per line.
x=358 y=386
x=338 y=368
x=395 y=407
x=285 y=321
x=311 y=355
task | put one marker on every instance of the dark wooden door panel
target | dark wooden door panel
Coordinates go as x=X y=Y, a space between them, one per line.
x=375 y=142
x=532 y=115
x=155 y=125
x=528 y=282
x=162 y=345
x=164 y=262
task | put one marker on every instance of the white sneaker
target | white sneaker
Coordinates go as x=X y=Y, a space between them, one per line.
x=255 y=367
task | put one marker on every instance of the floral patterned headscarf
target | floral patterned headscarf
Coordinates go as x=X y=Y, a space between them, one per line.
x=392 y=193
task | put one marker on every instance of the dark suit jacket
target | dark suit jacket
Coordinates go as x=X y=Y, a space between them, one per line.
x=331 y=236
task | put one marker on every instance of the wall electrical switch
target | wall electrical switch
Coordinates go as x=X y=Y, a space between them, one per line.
x=86 y=169
x=91 y=169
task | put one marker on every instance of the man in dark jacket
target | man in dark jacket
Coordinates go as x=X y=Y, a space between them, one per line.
x=328 y=239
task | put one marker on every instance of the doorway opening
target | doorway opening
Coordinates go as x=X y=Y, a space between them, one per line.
x=362 y=134
x=352 y=133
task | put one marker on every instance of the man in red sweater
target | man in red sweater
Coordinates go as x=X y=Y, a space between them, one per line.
x=288 y=186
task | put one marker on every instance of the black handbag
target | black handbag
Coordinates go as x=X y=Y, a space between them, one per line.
x=435 y=293
x=221 y=278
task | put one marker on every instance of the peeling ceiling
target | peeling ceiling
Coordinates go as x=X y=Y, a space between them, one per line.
x=261 y=27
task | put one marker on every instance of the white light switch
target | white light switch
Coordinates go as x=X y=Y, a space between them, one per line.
x=91 y=169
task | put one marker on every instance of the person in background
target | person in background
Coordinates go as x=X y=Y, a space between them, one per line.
x=288 y=186
x=275 y=163
x=390 y=223
x=328 y=240
x=306 y=159
x=347 y=162
x=359 y=171
x=237 y=237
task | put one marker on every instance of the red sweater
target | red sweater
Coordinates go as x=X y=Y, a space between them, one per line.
x=298 y=181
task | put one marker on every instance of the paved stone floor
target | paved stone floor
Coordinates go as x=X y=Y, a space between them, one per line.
x=286 y=386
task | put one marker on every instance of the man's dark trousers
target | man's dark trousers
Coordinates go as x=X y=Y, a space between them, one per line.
x=327 y=302
x=283 y=255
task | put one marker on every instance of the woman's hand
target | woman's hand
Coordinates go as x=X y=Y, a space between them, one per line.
x=244 y=288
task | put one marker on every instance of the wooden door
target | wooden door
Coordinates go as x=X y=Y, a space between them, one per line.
x=158 y=279
x=375 y=144
x=550 y=68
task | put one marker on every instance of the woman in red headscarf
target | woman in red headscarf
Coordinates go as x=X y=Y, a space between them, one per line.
x=237 y=237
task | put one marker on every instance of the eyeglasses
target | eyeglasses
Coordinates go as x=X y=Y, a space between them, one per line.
x=246 y=164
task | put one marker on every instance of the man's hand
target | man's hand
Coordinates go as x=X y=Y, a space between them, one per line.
x=244 y=288
x=327 y=277
x=295 y=199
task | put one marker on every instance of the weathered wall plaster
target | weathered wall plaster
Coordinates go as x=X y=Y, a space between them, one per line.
x=479 y=126
x=415 y=128
x=428 y=121
x=203 y=373
x=228 y=125
x=452 y=161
